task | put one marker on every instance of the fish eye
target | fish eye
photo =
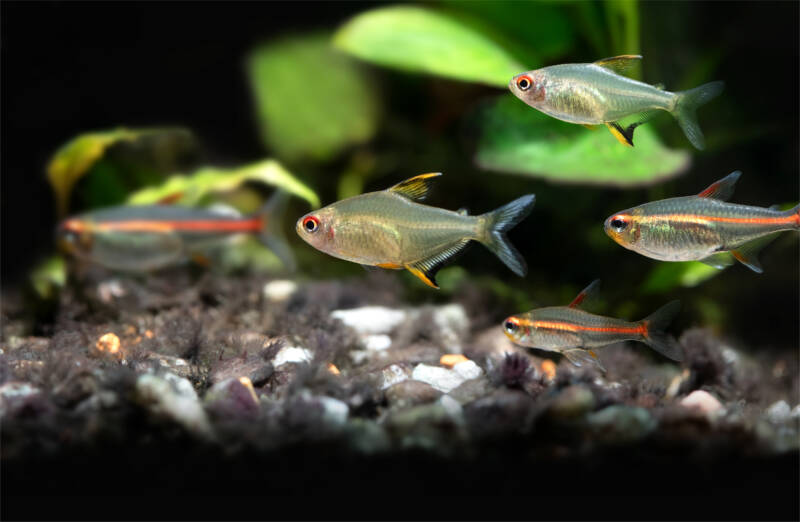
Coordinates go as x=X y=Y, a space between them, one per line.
x=510 y=326
x=618 y=224
x=311 y=224
x=524 y=83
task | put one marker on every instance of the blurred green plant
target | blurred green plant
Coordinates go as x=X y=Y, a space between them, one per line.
x=521 y=140
x=667 y=276
x=514 y=137
x=312 y=100
x=49 y=276
x=196 y=188
x=419 y=39
x=76 y=158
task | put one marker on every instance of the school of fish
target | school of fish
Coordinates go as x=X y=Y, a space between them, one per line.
x=392 y=229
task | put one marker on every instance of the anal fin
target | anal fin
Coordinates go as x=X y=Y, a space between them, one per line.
x=426 y=269
x=621 y=134
x=719 y=260
x=747 y=254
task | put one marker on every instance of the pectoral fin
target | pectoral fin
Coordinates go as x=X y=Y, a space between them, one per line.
x=580 y=357
x=390 y=266
x=426 y=268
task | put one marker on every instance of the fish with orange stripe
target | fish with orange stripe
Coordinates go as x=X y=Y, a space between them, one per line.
x=703 y=228
x=574 y=332
x=150 y=237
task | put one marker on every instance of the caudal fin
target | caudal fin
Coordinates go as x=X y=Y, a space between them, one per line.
x=500 y=221
x=655 y=334
x=686 y=105
x=271 y=233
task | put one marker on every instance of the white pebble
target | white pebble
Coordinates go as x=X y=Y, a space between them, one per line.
x=451 y=406
x=335 y=411
x=173 y=397
x=371 y=319
x=392 y=375
x=468 y=370
x=779 y=412
x=442 y=379
x=377 y=343
x=279 y=290
x=292 y=354
x=703 y=402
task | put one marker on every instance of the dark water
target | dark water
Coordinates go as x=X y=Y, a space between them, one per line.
x=73 y=67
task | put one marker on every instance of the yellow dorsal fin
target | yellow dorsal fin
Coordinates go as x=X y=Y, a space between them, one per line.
x=619 y=64
x=415 y=188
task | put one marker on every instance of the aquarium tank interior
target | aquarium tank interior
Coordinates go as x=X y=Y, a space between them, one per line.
x=541 y=251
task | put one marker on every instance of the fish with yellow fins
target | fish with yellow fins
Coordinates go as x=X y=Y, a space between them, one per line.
x=703 y=228
x=150 y=237
x=573 y=332
x=391 y=229
x=598 y=94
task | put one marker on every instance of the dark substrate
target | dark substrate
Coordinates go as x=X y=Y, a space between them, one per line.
x=86 y=427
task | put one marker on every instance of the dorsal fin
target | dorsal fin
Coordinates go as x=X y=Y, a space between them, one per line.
x=619 y=64
x=586 y=292
x=722 y=189
x=415 y=188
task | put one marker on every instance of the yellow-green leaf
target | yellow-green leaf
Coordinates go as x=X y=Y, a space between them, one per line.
x=190 y=189
x=75 y=158
x=49 y=276
x=419 y=39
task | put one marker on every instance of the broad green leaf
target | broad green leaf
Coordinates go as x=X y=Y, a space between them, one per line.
x=312 y=100
x=76 y=158
x=419 y=39
x=518 y=139
x=191 y=189
x=669 y=275
x=48 y=276
x=544 y=28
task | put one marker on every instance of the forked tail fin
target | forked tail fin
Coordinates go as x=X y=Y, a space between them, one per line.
x=655 y=331
x=686 y=104
x=271 y=235
x=500 y=221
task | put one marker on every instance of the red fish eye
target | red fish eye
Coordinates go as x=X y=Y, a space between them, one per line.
x=311 y=224
x=618 y=223
x=524 y=83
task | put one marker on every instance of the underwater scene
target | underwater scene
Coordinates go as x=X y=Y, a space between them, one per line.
x=537 y=249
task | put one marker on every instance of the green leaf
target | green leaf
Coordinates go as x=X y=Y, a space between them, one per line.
x=75 y=159
x=418 y=39
x=518 y=139
x=669 y=275
x=312 y=100
x=191 y=189
x=544 y=28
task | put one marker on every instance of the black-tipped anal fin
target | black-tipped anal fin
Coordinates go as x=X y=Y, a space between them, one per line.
x=416 y=188
x=426 y=268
